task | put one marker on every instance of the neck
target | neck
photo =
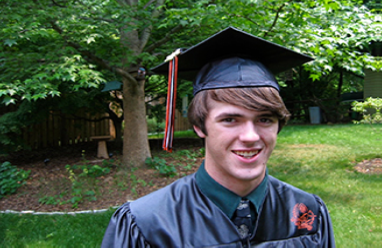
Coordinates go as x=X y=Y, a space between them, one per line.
x=241 y=187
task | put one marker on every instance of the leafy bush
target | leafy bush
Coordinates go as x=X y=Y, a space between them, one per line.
x=371 y=109
x=89 y=170
x=162 y=166
x=11 y=178
x=153 y=126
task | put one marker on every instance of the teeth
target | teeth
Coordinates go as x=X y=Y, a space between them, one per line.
x=246 y=154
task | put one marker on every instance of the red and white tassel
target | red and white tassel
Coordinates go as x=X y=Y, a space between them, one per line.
x=171 y=101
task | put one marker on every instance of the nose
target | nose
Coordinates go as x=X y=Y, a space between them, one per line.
x=249 y=133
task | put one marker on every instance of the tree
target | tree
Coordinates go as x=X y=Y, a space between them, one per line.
x=49 y=43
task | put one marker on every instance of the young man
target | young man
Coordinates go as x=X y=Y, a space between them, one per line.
x=231 y=201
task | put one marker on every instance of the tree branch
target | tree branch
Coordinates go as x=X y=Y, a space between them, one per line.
x=246 y=18
x=147 y=31
x=99 y=18
x=57 y=4
x=163 y=40
x=90 y=57
x=276 y=19
x=132 y=2
x=148 y=4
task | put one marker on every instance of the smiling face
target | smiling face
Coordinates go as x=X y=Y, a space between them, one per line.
x=238 y=144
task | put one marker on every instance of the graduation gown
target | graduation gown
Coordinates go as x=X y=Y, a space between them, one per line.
x=180 y=215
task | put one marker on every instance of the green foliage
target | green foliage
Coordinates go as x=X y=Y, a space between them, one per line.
x=153 y=126
x=84 y=40
x=134 y=182
x=55 y=49
x=79 y=176
x=371 y=110
x=371 y=113
x=192 y=154
x=51 y=200
x=11 y=178
x=12 y=123
x=88 y=170
x=161 y=166
x=78 y=192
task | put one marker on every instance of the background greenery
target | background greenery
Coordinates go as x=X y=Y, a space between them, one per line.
x=319 y=159
x=58 y=53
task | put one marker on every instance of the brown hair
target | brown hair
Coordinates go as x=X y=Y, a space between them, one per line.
x=254 y=98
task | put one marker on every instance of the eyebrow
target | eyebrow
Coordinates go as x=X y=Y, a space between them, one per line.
x=228 y=115
x=236 y=115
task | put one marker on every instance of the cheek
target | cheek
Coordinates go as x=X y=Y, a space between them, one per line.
x=270 y=137
x=272 y=141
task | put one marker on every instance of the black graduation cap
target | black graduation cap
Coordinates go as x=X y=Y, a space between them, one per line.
x=230 y=58
x=235 y=59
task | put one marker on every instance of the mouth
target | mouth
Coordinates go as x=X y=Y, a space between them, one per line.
x=246 y=154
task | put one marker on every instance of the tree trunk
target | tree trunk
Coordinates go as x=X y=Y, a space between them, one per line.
x=117 y=122
x=118 y=131
x=135 y=143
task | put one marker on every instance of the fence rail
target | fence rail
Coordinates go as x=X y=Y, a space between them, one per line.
x=61 y=129
x=181 y=123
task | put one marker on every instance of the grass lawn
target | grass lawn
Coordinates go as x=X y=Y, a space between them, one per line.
x=47 y=231
x=319 y=159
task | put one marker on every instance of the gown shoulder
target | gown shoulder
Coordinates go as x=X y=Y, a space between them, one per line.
x=123 y=230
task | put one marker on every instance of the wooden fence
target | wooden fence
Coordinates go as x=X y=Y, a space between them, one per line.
x=63 y=129
x=181 y=123
x=60 y=129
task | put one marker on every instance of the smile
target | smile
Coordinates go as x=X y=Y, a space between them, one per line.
x=246 y=154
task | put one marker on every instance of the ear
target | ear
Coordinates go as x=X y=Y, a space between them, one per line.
x=199 y=132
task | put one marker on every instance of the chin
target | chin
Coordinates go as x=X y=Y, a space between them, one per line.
x=250 y=176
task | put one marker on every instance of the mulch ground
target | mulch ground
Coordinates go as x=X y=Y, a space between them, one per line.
x=50 y=178
x=373 y=166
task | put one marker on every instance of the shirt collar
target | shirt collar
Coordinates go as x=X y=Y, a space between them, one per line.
x=225 y=199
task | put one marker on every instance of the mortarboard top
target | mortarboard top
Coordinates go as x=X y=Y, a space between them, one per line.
x=229 y=43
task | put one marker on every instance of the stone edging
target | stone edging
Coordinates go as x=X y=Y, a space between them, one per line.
x=53 y=213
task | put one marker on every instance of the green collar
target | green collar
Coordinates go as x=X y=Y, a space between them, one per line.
x=225 y=199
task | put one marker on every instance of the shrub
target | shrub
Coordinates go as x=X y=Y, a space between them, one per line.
x=161 y=166
x=89 y=170
x=11 y=178
x=371 y=109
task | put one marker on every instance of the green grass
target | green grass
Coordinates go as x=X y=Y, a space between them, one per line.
x=177 y=134
x=47 y=231
x=318 y=159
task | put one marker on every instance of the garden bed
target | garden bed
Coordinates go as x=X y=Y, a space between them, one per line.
x=51 y=188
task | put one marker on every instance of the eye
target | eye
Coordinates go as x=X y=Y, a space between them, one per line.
x=228 y=120
x=265 y=120
x=268 y=120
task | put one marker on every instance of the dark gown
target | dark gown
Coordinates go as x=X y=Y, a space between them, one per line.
x=180 y=215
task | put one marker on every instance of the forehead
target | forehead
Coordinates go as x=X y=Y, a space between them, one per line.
x=258 y=99
x=222 y=109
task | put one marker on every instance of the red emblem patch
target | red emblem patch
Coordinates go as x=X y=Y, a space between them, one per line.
x=303 y=218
